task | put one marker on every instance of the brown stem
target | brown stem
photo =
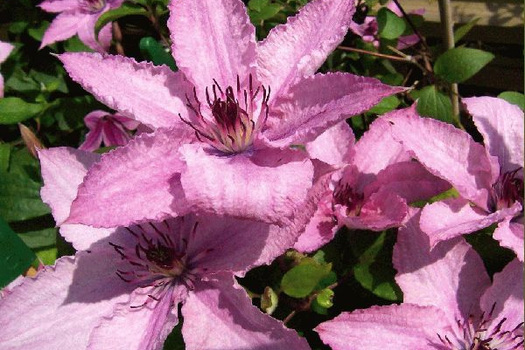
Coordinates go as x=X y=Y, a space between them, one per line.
x=289 y=317
x=411 y=24
x=377 y=54
x=117 y=36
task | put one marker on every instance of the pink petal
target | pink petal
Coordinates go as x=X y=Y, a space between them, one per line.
x=63 y=170
x=506 y=296
x=510 y=235
x=266 y=187
x=62 y=304
x=380 y=211
x=114 y=134
x=93 y=139
x=232 y=245
x=410 y=180
x=319 y=102
x=150 y=94
x=92 y=119
x=448 y=153
x=59 y=5
x=335 y=146
x=299 y=47
x=393 y=327
x=1 y=86
x=451 y=277
x=407 y=41
x=453 y=217
x=144 y=328
x=219 y=315
x=5 y=50
x=377 y=149
x=86 y=33
x=134 y=183
x=63 y=27
x=212 y=39
x=501 y=125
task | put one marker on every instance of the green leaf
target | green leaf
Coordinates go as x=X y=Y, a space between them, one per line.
x=513 y=97
x=302 y=279
x=15 y=256
x=14 y=110
x=47 y=255
x=387 y=104
x=435 y=104
x=390 y=26
x=5 y=151
x=153 y=51
x=459 y=64
x=20 y=189
x=258 y=5
x=74 y=44
x=325 y=298
x=374 y=270
x=464 y=29
x=127 y=9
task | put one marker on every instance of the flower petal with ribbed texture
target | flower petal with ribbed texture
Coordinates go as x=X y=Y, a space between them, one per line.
x=453 y=217
x=212 y=40
x=134 y=183
x=266 y=186
x=64 y=26
x=150 y=94
x=451 y=277
x=231 y=322
x=501 y=125
x=299 y=47
x=393 y=327
x=58 y=5
x=62 y=304
x=319 y=102
x=510 y=235
x=335 y=146
x=447 y=152
x=506 y=296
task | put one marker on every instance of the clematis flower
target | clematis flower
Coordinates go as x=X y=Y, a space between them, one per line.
x=449 y=302
x=368 y=30
x=78 y=17
x=124 y=285
x=372 y=185
x=489 y=179
x=112 y=129
x=5 y=50
x=223 y=123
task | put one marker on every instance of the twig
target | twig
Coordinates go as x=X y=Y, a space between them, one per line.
x=447 y=27
x=377 y=54
x=411 y=24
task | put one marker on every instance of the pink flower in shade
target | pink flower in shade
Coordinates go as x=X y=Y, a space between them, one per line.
x=5 y=50
x=489 y=179
x=123 y=287
x=78 y=17
x=449 y=302
x=223 y=123
x=374 y=182
x=368 y=30
x=112 y=129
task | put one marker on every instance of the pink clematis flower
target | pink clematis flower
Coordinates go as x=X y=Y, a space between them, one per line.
x=449 y=302
x=368 y=30
x=489 y=179
x=124 y=285
x=5 y=50
x=78 y=17
x=112 y=129
x=372 y=185
x=223 y=123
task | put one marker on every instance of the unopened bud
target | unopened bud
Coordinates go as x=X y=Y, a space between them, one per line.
x=33 y=144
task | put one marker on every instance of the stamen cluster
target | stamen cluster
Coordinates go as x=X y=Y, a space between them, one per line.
x=346 y=195
x=507 y=190
x=92 y=6
x=233 y=127
x=479 y=335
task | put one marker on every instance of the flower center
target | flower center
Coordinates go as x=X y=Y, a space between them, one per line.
x=234 y=124
x=482 y=336
x=157 y=261
x=507 y=190
x=92 y=6
x=345 y=195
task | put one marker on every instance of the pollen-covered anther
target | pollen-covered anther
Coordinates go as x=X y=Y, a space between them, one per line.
x=235 y=123
x=92 y=6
